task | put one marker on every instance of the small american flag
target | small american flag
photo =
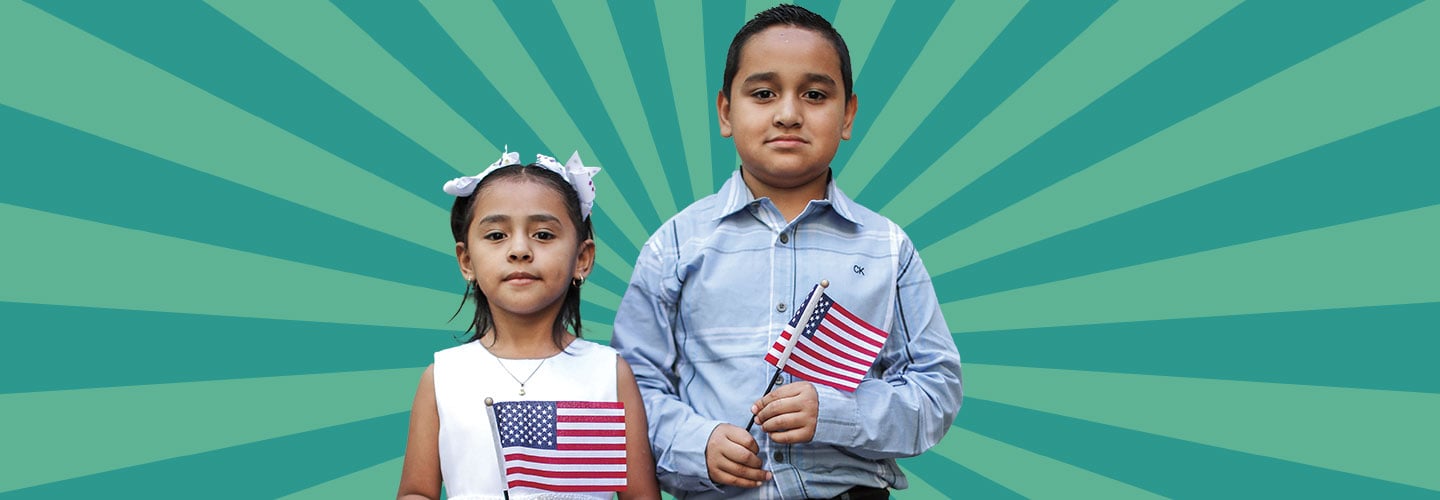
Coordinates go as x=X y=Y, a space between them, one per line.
x=563 y=445
x=835 y=348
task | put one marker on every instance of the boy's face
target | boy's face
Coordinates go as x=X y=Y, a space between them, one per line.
x=787 y=110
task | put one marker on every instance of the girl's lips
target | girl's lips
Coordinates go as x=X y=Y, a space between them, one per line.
x=519 y=276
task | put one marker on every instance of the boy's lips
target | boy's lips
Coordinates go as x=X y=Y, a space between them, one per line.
x=787 y=140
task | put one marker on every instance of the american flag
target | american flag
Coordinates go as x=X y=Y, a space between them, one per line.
x=836 y=348
x=563 y=445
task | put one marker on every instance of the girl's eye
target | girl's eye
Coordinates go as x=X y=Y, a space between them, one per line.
x=494 y=236
x=544 y=235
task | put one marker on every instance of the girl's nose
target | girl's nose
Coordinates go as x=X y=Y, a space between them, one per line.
x=519 y=253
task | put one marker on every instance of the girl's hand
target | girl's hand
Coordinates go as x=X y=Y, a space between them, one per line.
x=789 y=413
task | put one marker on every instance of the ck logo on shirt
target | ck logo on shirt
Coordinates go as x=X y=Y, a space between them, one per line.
x=857 y=269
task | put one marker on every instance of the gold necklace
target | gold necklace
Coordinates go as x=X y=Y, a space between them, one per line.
x=517 y=379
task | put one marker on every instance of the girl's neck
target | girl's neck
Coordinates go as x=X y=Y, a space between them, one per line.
x=523 y=338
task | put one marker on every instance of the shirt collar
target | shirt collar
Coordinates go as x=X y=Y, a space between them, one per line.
x=737 y=195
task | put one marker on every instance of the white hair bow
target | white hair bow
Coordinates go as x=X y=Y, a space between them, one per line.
x=573 y=171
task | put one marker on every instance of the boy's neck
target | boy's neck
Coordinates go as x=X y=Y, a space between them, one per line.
x=789 y=201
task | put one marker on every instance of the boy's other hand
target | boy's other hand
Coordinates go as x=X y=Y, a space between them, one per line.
x=733 y=458
x=789 y=413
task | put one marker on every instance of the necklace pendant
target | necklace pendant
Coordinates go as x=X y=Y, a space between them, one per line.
x=522 y=390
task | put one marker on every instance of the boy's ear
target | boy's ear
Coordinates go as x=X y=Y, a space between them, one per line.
x=850 y=108
x=722 y=109
x=462 y=255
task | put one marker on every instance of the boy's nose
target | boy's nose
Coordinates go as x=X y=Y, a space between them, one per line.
x=787 y=114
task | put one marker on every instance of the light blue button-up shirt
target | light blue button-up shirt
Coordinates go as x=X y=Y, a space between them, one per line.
x=712 y=290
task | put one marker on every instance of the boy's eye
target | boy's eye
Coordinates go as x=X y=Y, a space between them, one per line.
x=762 y=94
x=814 y=95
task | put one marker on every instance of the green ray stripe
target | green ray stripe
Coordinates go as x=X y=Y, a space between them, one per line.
x=286 y=464
x=132 y=189
x=482 y=33
x=1036 y=33
x=721 y=21
x=161 y=347
x=407 y=31
x=685 y=56
x=1017 y=468
x=1289 y=422
x=959 y=39
x=138 y=270
x=1321 y=187
x=946 y=475
x=1231 y=54
x=1167 y=466
x=646 y=61
x=289 y=96
x=1379 y=261
x=111 y=94
x=918 y=487
x=860 y=23
x=908 y=27
x=1122 y=41
x=384 y=476
x=319 y=37
x=62 y=438
x=599 y=94
x=1354 y=86
x=1386 y=347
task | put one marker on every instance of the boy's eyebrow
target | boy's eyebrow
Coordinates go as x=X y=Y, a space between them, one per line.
x=819 y=78
x=771 y=76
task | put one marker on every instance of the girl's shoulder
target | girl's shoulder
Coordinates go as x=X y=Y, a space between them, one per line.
x=582 y=347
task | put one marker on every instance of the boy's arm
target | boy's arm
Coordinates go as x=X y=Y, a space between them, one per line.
x=644 y=335
x=912 y=405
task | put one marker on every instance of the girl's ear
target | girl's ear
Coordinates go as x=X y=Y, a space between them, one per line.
x=462 y=255
x=585 y=260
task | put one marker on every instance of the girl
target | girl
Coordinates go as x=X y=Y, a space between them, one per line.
x=523 y=241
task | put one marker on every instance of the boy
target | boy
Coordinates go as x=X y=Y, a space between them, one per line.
x=715 y=285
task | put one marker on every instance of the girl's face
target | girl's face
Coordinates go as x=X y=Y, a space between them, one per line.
x=523 y=249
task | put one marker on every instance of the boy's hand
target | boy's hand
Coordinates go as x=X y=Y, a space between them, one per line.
x=733 y=457
x=789 y=413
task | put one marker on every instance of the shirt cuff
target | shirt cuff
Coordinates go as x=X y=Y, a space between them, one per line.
x=838 y=418
x=687 y=459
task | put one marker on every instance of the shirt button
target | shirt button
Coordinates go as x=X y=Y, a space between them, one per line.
x=779 y=456
x=784 y=238
x=780 y=307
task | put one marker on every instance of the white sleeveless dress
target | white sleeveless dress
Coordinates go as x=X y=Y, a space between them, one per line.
x=467 y=374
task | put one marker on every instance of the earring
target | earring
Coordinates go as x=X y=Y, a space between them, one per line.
x=577 y=282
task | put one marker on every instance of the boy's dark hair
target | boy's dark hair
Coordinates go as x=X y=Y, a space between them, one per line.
x=463 y=211
x=792 y=15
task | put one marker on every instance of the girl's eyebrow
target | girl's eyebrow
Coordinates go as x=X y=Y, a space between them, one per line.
x=501 y=218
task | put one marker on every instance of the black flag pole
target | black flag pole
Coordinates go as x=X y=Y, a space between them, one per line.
x=795 y=331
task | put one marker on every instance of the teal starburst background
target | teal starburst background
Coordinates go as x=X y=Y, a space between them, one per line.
x=1186 y=248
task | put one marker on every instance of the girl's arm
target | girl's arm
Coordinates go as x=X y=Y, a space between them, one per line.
x=420 y=478
x=639 y=464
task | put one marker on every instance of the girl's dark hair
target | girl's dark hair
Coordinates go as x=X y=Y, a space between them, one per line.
x=463 y=211
x=790 y=15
